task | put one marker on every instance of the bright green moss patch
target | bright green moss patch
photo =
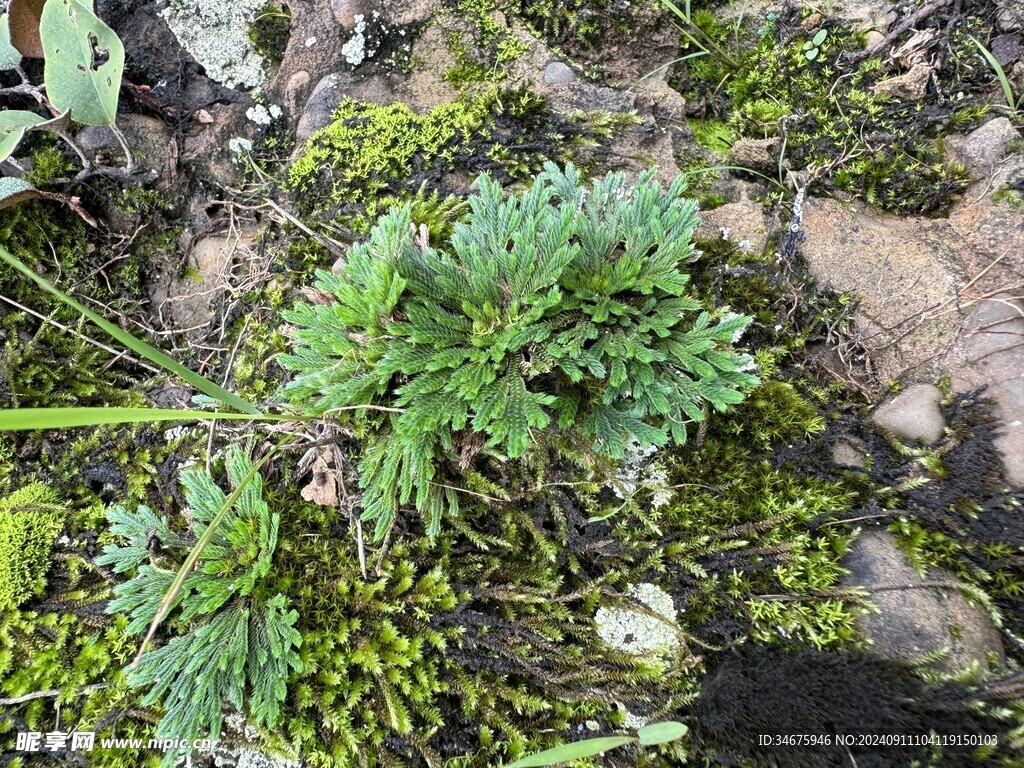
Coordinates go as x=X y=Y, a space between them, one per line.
x=369 y=147
x=30 y=519
x=372 y=152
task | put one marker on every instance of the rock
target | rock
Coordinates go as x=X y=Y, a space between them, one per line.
x=991 y=353
x=849 y=452
x=916 y=616
x=404 y=13
x=812 y=23
x=1010 y=15
x=635 y=631
x=909 y=86
x=148 y=138
x=558 y=73
x=873 y=39
x=208 y=147
x=757 y=154
x=1006 y=49
x=332 y=90
x=216 y=33
x=188 y=302
x=314 y=47
x=986 y=146
x=743 y=222
x=914 y=414
x=345 y=12
x=900 y=267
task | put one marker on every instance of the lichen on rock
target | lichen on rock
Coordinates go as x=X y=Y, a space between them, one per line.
x=635 y=630
x=216 y=33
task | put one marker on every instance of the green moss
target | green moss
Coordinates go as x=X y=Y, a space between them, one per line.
x=881 y=149
x=269 y=31
x=371 y=155
x=30 y=519
x=481 y=54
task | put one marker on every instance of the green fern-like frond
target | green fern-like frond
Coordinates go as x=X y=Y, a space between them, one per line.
x=561 y=308
x=241 y=644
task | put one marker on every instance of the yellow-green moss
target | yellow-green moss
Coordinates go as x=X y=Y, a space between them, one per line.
x=30 y=519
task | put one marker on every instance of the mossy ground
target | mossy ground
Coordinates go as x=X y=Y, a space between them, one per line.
x=825 y=114
x=479 y=646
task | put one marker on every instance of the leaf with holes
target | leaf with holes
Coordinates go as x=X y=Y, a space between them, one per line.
x=10 y=57
x=13 y=124
x=84 y=62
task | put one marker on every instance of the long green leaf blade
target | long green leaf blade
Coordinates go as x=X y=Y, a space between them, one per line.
x=22 y=419
x=1000 y=73
x=148 y=351
x=574 y=751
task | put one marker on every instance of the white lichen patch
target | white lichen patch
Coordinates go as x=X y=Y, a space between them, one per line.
x=216 y=33
x=261 y=115
x=354 y=50
x=238 y=145
x=638 y=472
x=634 y=630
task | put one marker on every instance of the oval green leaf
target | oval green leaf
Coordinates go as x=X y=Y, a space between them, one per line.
x=812 y=54
x=574 y=751
x=660 y=733
x=13 y=124
x=84 y=62
x=10 y=57
x=820 y=37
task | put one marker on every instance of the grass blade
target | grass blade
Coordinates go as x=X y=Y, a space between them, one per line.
x=574 y=751
x=193 y=557
x=138 y=346
x=998 y=69
x=22 y=419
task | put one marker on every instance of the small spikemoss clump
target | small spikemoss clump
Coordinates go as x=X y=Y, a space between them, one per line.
x=30 y=519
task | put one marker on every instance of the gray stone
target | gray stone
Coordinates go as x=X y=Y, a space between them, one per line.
x=758 y=154
x=189 y=301
x=991 y=353
x=1006 y=49
x=558 y=73
x=914 y=414
x=149 y=139
x=873 y=39
x=1010 y=16
x=918 y=615
x=406 y=12
x=986 y=146
x=901 y=267
x=909 y=86
x=345 y=12
x=332 y=90
x=849 y=452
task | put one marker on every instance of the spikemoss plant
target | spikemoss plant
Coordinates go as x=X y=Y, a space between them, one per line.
x=241 y=644
x=562 y=309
